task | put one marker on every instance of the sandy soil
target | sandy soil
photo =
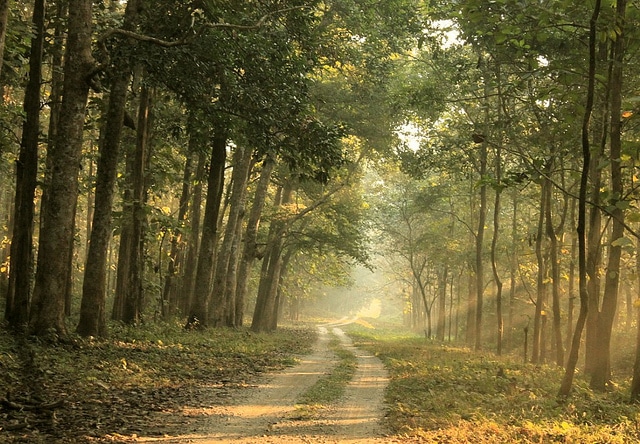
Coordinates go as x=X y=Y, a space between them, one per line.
x=265 y=413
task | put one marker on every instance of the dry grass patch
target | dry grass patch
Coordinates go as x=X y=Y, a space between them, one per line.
x=445 y=394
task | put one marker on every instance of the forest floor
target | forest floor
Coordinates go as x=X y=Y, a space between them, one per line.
x=141 y=389
x=268 y=411
x=162 y=384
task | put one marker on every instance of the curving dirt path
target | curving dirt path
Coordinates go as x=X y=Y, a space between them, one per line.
x=264 y=413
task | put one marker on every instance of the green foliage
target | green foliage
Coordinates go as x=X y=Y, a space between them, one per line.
x=446 y=393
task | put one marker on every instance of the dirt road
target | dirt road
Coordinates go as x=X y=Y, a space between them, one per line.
x=265 y=413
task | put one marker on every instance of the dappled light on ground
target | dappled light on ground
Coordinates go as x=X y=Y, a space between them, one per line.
x=266 y=412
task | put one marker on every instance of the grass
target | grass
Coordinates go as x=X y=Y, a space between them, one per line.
x=446 y=394
x=329 y=388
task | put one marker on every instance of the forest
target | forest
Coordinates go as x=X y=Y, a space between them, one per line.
x=223 y=164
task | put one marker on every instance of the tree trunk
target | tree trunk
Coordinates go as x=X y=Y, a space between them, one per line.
x=250 y=252
x=198 y=312
x=122 y=269
x=494 y=247
x=442 y=303
x=241 y=166
x=540 y=281
x=4 y=17
x=56 y=236
x=594 y=239
x=572 y=278
x=92 y=309
x=280 y=299
x=555 y=275
x=232 y=279
x=601 y=374
x=188 y=283
x=133 y=293
x=21 y=268
x=169 y=294
x=635 y=383
x=513 y=266
x=265 y=309
x=482 y=217
x=567 y=380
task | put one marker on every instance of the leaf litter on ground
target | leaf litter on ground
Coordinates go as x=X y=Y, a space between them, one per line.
x=107 y=390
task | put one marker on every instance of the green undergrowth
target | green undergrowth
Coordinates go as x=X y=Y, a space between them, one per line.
x=330 y=387
x=117 y=384
x=446 y=394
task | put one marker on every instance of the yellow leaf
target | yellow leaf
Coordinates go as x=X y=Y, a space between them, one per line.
x=627 y=114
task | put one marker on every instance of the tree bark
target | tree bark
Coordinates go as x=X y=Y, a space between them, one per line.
x=56 y=236
x=21 y=267
x=635 y=382
x=567 y=380
x=4 y=17
x=92 y=309
x=482 y=217
x=540 y=280
x=241 y=166
x=169 y=294
x=555 y=276
x=265 y=309
x=133 y=294
x=494 y=248
x=191 y=262
x=601 y=374
x=250 y=252
x=199 y=310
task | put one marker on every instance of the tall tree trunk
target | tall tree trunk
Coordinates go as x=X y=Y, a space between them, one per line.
x=232 y=279
x=4 y=17
x=572 y=277
x=494 y=248
x=19 y=291
x=513 y=266
x=124 y=259
x=266 y=307
x=92 y=309
x=567 y=380
x=635 y=383
x=595 y=234
x=555 y=274
x=241 y=166
x=482 y=217
x=169 y=294
x=594 y=259
x=540 y=280
x=198 y=312
x=191 y=261
x=56 y=236
x=602 y=369
x=442 y=302
x=280 y=299
x=133 y=294
x=250 y=252
x=472 y=282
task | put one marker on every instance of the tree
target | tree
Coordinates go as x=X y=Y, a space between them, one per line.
x=92 y=311
x=58 y=212
x=602 y=367
x=4 y=16
x=570 y=368
x=19 y=291
x=224 y=306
